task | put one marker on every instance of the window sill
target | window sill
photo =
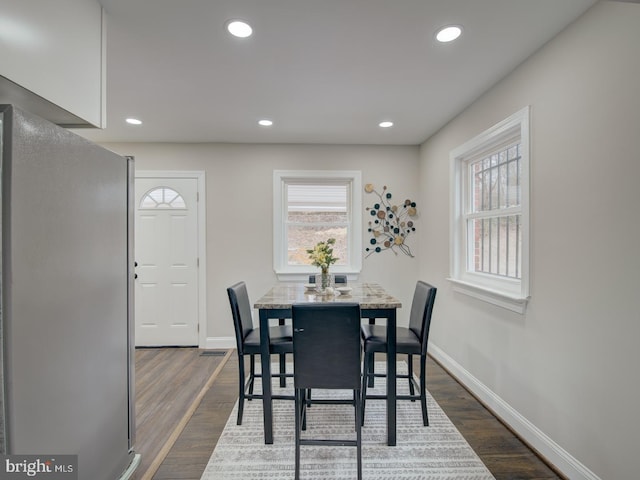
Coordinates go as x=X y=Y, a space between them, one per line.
x=304 y=277
x=502 y=299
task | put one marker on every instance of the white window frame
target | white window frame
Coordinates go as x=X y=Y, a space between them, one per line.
x=509 y=293
x=281 y=178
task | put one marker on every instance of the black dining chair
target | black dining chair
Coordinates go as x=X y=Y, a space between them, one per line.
x=337 y=278
x=248 y=344
x=410 y=341
x=326 y=355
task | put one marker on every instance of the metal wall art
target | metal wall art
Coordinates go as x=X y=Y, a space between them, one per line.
x=391 y=224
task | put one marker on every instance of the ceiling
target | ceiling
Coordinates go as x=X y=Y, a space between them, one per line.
x=325 y=71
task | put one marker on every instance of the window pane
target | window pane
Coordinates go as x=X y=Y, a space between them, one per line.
x=315 y=213
x=493 y=200
x=513 y=185
x=496 y=245
x=515 y=247
x=317 y=217
x=304 y=237
x=495 y=180
x=163 y=197
x=502 y=185
x=513 y=152
x=486 y=245
x=478 y=186
x=502 y=249
x=317 y=198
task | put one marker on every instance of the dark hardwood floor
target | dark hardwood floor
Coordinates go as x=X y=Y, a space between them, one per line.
x=168 y=382
x=502 y=452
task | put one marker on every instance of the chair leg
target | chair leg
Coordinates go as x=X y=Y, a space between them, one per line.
x=423 y=389
x=242 y=386
x=299 y=405
x=283 y=379
x=283 y=370
x=305 y=403
x=356 y=408
x=371 y=371
x=363 y=391
x=252 y=374
x=359 y=416
x=411 y=388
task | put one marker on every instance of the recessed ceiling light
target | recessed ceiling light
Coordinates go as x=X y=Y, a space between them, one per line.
x=448 y=33
x=265 y=122
x=385 y=124
x=240 y=29
x=133 y=121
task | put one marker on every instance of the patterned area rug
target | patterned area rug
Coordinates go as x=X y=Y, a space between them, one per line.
x=437 y=452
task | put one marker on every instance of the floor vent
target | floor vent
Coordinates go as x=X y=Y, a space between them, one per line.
x=213 y=353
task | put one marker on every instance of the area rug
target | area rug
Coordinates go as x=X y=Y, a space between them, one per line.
x=436 y=452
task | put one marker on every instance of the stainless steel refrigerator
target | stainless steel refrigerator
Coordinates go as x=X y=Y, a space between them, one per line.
x=66 y=297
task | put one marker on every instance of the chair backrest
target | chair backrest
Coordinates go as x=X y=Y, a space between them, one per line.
x=326 y=345
x=241 y=312
x=337 y=278
x=424 y=297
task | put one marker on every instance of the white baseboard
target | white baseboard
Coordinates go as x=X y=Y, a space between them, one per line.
x=543 y=444
x=214 y=343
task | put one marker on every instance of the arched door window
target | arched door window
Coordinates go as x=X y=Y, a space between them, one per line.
x=162 y=197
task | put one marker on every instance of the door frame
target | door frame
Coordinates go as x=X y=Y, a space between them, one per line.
x=201 y=216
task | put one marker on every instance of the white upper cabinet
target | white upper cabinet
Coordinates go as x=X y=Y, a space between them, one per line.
x=53 y=59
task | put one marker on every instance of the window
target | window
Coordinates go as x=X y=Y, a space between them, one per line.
x=313 y=206
x=162 y=197
x=490 y=214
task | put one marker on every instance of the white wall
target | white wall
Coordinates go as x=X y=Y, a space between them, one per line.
x=55 y=50
x=565 y=373
x=239 y=181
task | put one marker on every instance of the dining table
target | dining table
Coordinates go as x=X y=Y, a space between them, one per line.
x=375 y=303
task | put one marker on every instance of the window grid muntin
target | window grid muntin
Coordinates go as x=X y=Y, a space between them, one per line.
x=162 y=198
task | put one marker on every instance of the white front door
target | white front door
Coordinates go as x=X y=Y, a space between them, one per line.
x=166 y=255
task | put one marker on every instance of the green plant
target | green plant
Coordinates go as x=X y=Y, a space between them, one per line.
x=322 y=254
